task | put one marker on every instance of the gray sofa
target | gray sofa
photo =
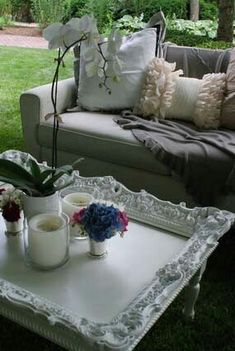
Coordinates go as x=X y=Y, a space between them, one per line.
x=108 y=149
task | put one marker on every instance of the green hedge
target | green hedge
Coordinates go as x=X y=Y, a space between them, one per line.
x=21 y=10
x=208 y=9
x=5 y=8
x=173 y=8
x=186 y=39
x=74 y=9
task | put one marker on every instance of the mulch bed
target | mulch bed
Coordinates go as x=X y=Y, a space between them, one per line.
x=27 y=31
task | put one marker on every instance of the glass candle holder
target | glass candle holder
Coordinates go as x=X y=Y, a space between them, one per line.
x=72 y=201
x=47 y=240
x=75 y=201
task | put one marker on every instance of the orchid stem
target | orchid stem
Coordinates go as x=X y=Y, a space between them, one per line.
x=54 y=92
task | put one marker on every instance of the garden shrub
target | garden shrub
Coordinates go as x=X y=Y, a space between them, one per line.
x=208 y=9
x=74 y=8
x=5 y=8
x=103 y=11
x=128 y=24
x=4 y=21
x=202 y=27
x=46 y=12
x=21 y=10
x=177 y=8
x=188 y=39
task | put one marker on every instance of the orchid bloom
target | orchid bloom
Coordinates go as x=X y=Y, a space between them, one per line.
x=114 y=62
x=88 y=26
x=58 y=35
x=94 y=60
x=114 y=42
x=64 y=35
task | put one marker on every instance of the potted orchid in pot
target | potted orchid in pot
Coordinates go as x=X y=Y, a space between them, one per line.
x=11 y=207
x=101 y=222
x=39 y=184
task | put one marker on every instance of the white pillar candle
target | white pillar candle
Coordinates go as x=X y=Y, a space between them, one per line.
x=48 y=240
x=75 y=201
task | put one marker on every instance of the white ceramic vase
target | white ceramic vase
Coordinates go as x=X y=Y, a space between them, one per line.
x=33 y=205
x=98 y=249
x=13 y=228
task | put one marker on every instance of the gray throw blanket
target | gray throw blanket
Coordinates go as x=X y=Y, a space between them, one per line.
x=205 y=160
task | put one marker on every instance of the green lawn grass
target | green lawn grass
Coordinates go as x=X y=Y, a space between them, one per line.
x=214 y=325
x=20 y=70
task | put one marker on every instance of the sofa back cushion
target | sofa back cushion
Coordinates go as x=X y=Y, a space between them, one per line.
x=135 y=52
x=196 y=62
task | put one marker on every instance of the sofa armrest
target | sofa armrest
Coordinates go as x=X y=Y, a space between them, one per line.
x=36 y=103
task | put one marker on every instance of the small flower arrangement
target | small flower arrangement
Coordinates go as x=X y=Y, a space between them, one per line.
x=10 y=204
x=101 y=221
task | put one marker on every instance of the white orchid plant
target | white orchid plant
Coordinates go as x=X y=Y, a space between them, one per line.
x=105 y=63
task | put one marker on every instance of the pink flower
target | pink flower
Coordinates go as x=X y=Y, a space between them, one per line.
x=124 y=220
x=2 y=190
x=11 y=211
x=76 y=217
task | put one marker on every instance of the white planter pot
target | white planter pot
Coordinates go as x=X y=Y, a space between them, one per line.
x=98 y=248
x=12 y=228
x=33 y=205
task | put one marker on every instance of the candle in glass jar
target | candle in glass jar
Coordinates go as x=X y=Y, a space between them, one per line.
x=75 y=201
x=48 y=240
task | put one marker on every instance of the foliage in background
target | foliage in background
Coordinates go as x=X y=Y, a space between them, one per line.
x=21 y=10
x=128 y=13
x=129 y=24
x=106 y=12
x=4 y=21
x=171 y=8
x=5 y=8
x=103 y=11
x=73 y=8
x=46 y=12
x=208 y=9
x=206 y=28
x=188 y=39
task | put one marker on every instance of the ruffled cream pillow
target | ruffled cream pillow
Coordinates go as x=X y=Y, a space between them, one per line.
x=166 y=95
x=158 y=88
x=228 y=105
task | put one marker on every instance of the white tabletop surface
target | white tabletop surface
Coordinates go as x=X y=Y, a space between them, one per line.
x=97 y=289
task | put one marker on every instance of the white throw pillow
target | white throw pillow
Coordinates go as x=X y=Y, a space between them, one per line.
x=166 y=95
x=135 y=52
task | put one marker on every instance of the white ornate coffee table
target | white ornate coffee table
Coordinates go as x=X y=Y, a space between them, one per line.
x=110 y=303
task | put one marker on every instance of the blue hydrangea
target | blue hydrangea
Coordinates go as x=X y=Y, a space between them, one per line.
x=101 y=221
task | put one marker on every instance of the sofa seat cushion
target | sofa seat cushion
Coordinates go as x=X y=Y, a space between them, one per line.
x=96 y=135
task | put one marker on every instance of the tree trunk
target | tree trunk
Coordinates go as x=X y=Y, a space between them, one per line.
x=225 y=25
x=194 y=10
